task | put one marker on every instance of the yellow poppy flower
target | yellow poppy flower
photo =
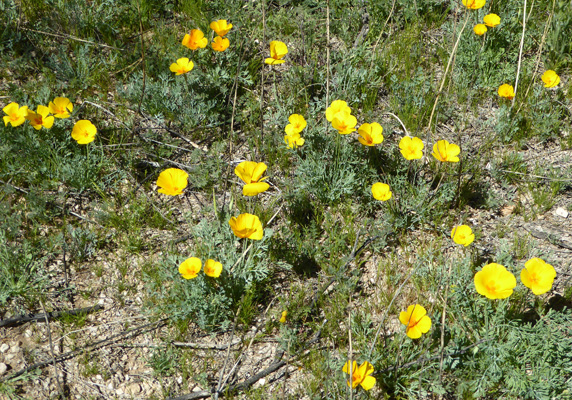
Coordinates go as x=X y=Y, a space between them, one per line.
x=84 y=131
x=40 y=118
x=416 y=321
x=370 y=134
x=277 y=52
x=294 y=140
x=506 y=91
x=538 y=276
x=462 y=234
x=494 y=281
x=445 y=151
x=182 y=66
x=411 y=147
x=283 y=317
x=336 y=107
x=190 y=268
x=16 y=114
x=172 y=181
x=381 y=191
x=195 y=39
x=491 y=20
x=344 y=123
x=474 y=4
x=360 y=375
x=480 y=29
x=251 y=174
x=213 y=268
x=221 y=27
x=550 y=79
x=220 y=44
x=61 y=107
x=247 y=226
x=296 y=125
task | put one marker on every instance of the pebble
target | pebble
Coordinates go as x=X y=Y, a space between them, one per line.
x=4 y=347
x=561 y=212
x=3 y=368
x=133 y=389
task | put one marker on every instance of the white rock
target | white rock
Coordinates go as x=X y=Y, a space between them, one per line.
x=179 y=380
x=133 y=389
x=4 y=347
x=119 y=392
x=561 y=212
x=3 y=368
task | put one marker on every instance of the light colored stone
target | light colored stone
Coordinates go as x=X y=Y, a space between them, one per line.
x=133 y=389
x=3 y=368
x=561 y=212
x=4 y=347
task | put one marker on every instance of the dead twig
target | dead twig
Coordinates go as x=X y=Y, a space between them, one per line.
x=90 y=347
x=70 y=37
x=22 y=319
x=58 y=383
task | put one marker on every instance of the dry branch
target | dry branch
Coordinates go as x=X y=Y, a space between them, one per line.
x=43 y=317
x=90 y=347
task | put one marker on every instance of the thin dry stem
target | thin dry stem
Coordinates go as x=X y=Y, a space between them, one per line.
x=520 y=52
x=539 y=53
x=445 y=77
x=327 y=56
x=443 y=324
x=350 y=354
x=58 y=383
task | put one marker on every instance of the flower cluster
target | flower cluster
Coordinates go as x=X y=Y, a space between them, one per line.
x=494 y=281
x=293 y=130
x=490 y=20
x=61 y=107
x=196 y=39
x=340 y=115
x=190 y=268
